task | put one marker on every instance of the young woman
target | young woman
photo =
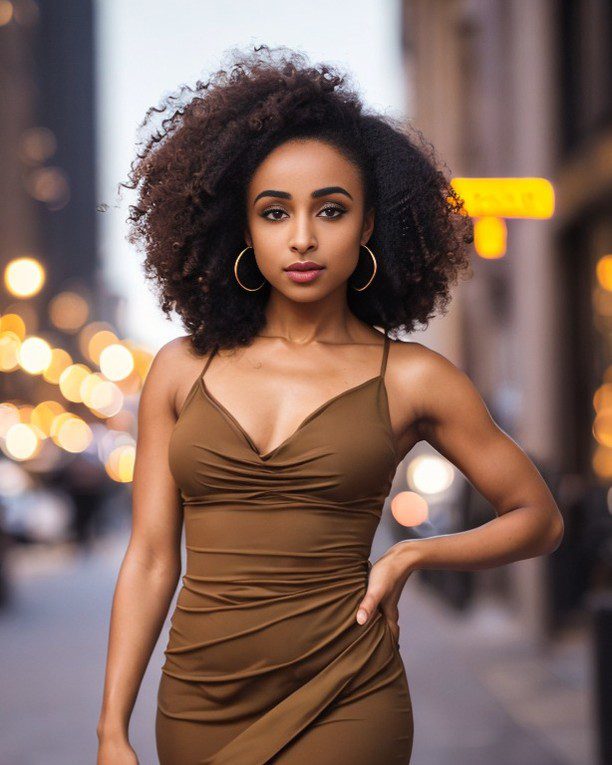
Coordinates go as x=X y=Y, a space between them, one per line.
x=293 y=232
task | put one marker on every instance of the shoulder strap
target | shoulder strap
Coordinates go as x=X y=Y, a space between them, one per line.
x=385 y=355
x=208 y=360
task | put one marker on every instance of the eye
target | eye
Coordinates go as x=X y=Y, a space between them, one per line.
x=265 y=213
x=334 y=209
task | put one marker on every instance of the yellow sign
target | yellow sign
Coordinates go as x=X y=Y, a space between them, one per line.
x=506 y=197
x=490 y=235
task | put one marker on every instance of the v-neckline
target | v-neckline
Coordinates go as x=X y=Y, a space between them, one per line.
x=315 y=412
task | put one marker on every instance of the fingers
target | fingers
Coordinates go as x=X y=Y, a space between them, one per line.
x=366 y=608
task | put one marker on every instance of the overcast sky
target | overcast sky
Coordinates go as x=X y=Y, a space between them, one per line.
x=148 y=49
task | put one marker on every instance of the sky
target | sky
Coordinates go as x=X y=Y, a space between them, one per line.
x=147 y=50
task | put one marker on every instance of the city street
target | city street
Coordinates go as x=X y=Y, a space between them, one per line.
x=398 y=247
x=477 y=699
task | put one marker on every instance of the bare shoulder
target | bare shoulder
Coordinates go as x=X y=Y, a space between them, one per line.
x=172 y=363
x=413 y=358
x=438 y=387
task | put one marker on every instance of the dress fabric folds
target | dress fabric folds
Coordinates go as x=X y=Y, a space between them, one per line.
x=265 y=661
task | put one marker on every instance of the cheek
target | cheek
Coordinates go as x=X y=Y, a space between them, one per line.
x=341 y=248
x=268 y=237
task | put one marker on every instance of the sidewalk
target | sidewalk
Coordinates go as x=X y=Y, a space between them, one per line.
x=481 y=695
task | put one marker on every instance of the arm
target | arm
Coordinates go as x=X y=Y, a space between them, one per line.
x=450 y=414
x=151 y=566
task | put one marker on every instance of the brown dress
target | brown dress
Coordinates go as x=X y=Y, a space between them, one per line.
x=265 y=661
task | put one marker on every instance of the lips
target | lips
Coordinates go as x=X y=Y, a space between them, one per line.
x=306 y=265
x=304 y=271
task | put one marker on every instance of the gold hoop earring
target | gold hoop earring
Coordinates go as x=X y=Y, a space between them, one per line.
x=360 y=289
x=249 y=289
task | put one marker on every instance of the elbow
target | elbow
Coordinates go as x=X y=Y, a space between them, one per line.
x=555 y=537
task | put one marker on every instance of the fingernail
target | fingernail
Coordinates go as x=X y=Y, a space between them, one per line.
x=361 y=616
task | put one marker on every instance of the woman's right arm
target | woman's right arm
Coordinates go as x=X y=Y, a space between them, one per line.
x=151 y=566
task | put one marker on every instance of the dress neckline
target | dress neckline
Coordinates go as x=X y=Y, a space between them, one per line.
x=263 y=456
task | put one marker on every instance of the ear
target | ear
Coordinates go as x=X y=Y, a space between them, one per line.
x=247 y=238
x=368 y=226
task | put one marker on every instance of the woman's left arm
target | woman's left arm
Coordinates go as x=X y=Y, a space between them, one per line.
x=451 y=415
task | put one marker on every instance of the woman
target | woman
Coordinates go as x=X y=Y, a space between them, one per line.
x=287 y=227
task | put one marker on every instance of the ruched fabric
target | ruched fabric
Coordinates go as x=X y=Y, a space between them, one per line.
x=265 y=661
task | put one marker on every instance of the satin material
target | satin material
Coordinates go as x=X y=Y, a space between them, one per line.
x=265 y=661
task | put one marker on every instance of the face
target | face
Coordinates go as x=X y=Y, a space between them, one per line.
x=305 y=204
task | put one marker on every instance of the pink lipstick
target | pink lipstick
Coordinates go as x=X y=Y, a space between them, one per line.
x=304 y=271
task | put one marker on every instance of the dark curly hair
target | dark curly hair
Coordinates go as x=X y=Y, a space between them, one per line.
x=192 y=180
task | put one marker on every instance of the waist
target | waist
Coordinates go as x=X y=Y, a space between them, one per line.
x=260 y=571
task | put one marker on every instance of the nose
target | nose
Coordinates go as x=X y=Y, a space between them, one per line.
x=302 y=238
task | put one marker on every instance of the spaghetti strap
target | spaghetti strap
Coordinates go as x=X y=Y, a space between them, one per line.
x=385 y=355
x=208 y=360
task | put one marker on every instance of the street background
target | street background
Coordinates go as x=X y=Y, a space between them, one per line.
x=511 y=665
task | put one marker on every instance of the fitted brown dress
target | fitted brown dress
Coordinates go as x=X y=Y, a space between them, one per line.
x=265 y=661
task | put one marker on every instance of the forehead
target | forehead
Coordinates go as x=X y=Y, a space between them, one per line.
x=304 y=165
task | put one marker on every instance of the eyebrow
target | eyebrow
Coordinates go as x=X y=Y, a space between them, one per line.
x=318 y=193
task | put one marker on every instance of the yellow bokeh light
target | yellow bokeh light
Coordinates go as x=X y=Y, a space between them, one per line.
x=71 y=379
x=602 y=398
x=58 y=421
x=91 y=350
x=73 y=434
x=60 y=360
x=24 y=277
x=13 y=322
x=21 y=441
x=9 y=415
x=34 y=355
x=99 y=342
x=120 y=463
x=409 y=508
x=490 y=237
x=25 y=412
x=44 y=414
x=603 y=271
x=142 y=360
x=68 y=311
x=602 y=427
x=602 y=462
x=9 y=351
x=116 y=362
x=102 y=396
x=29 y=315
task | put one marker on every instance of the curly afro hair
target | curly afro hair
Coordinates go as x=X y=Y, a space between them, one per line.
x=193 y=175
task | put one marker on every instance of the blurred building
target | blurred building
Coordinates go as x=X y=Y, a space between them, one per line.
x=52 y=292
x=507 y=88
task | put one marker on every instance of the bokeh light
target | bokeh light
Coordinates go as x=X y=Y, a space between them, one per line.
x=68 y=311
x=120 y=463
x=116 y=361
x=34 y=355
x=409 y=508
x=430 y=474
x=21 y=441
x=60 y=360
x=24 y=277
x=9 y=351
x=71 y=379
x=603 y=271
